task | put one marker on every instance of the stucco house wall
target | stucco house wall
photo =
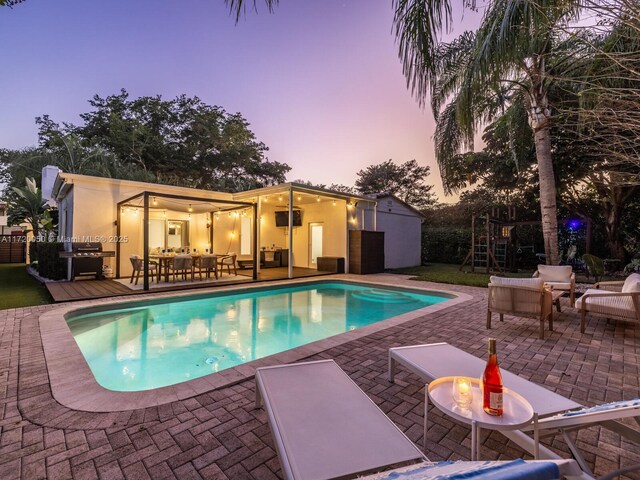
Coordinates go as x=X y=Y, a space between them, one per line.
x=402 y=227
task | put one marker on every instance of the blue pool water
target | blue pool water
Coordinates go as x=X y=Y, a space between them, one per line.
x=155 y=344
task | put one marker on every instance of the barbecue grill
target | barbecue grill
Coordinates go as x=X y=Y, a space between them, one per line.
x=86 y=258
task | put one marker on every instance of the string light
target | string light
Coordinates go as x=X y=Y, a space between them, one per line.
x=317 y=198
x=334 y=203
x=155 y=201
x=164 y=214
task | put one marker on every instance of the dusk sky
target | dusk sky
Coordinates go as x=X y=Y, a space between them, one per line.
x=319 y=81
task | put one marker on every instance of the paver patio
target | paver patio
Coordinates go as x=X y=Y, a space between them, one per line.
x=219 y=434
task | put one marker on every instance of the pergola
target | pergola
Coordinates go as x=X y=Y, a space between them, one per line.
x=149 y=201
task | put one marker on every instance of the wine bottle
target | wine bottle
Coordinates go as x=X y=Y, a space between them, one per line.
x=492 y=383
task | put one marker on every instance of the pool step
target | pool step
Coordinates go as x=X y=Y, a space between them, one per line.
x=383 y=296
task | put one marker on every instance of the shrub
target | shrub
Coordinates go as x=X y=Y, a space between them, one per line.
x=445 y=244
x=50 y=265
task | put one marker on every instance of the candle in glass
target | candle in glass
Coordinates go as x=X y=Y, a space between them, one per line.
x=462 y=392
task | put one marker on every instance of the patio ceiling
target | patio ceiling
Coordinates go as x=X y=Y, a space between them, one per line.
x=185 y=205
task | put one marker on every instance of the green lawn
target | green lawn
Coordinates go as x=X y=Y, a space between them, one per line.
x=446 y=273
x=19 y=289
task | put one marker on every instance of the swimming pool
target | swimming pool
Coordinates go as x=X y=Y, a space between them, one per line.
x=159 y=343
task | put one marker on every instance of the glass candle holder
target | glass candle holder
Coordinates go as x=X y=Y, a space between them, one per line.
x=462 y=392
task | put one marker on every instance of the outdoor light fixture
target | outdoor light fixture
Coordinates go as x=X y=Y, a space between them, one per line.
x=280 y=198
x=164 y=214
x=299 y=198
x=155 y=201
x=317 y=198
x=334 y=203
x=233 y=234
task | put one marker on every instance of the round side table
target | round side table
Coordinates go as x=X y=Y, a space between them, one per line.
x=518 y=412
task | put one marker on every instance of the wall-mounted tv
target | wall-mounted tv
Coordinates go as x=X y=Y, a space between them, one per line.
x=282 y=218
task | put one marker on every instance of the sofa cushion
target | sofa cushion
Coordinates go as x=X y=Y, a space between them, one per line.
x=555 y=273
x=621 y=306
x=632 y=283
x=520 y=282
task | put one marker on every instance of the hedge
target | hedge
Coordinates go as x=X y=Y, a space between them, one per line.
x=445 y=244
x=50 y=265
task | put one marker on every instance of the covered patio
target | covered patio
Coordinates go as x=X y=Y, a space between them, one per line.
x=184 y=240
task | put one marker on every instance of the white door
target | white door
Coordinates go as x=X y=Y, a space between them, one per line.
x=315 y=243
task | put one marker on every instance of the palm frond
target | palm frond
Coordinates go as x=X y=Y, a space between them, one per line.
x=238 y=8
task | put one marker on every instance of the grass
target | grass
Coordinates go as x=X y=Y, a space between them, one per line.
x=19 y=289
x=446 y=273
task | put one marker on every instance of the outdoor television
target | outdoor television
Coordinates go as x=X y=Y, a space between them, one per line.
x=282 y=218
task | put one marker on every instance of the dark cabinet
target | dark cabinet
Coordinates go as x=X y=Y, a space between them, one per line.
x=366 y=252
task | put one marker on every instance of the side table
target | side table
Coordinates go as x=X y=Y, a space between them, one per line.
x=518 y=412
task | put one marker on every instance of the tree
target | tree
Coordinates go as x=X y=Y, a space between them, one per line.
x=28 y=206
x=406 y=181
x=181 y=141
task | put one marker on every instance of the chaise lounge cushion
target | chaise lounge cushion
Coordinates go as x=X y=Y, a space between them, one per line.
x=617 y=306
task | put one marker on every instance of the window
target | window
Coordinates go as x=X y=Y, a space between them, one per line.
x=245 y=236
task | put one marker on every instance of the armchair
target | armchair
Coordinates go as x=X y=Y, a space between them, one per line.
x=618 y=300
x=522 y=297
x=560 y=277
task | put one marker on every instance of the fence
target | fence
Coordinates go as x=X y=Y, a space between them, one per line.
x=12 y=249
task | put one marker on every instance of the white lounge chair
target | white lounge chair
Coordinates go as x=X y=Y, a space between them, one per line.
x=521 y=297
x=605 y=415
x=618 y=300
x=555 y=412
x=324 y=426
x=560 y=277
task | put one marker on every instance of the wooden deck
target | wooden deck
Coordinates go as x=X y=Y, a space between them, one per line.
x=87 y=289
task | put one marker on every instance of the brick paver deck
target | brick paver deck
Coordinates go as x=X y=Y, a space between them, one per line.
x=219 y=434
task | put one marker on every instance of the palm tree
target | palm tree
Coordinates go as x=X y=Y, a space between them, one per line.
x=28 y=206
x=514 y=48
x=515 y=57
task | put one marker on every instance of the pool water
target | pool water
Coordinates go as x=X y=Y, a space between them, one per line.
x=156 y=344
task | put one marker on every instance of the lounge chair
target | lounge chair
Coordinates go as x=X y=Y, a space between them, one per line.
x=604 y=415
x=560 y=277
x=555 y=412
x=618 y=300
x=521 y=297
x=324 y=426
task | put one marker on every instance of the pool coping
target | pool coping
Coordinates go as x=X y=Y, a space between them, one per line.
x=74 y=385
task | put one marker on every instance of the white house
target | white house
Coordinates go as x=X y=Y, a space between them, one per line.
x=402 y=227
x=301 y=223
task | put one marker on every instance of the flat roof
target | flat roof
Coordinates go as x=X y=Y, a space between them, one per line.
x=301 y=187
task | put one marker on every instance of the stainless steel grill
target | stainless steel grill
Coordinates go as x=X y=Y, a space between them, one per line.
x=86 y=259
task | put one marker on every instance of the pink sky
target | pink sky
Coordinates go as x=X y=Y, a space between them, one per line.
x=319 y=81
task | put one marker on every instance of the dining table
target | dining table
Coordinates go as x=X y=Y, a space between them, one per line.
x=164 y=259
